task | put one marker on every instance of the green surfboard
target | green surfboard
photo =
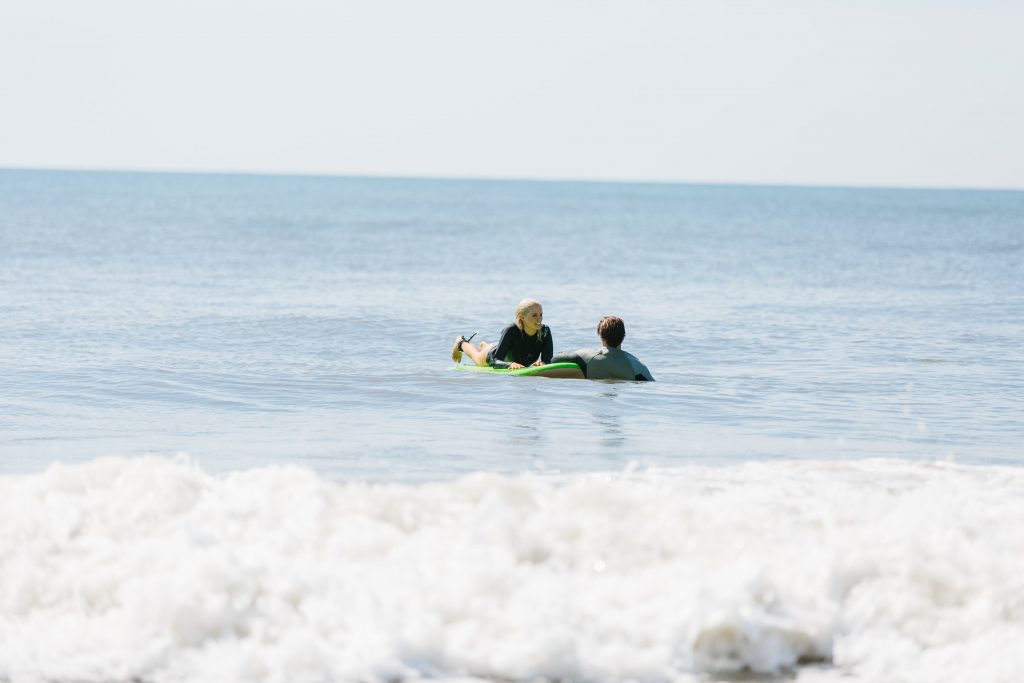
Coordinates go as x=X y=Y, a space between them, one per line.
x=560 y=370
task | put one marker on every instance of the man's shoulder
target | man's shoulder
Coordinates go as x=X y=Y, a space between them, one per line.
x=638 y=365
x=589 y=353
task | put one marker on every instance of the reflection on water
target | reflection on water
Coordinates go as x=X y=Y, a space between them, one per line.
x=527 y=434
x=609 y=420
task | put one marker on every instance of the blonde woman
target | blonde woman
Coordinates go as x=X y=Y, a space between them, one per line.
x=525 y=342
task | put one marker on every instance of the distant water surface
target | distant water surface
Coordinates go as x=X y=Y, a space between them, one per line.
x=257 y=319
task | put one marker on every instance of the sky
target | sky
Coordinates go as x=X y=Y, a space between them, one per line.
x=918 y=93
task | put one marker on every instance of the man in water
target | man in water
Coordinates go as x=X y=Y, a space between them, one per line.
x=610 y=362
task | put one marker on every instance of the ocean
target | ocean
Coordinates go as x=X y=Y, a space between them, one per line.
x=233 y=447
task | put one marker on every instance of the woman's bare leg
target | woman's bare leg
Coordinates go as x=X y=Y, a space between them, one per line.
x=478 y=354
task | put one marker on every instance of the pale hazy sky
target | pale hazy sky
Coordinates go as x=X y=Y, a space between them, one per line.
x=862 y=92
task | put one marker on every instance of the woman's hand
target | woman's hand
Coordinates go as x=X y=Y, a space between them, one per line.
x=538 y=364
x=514 y=366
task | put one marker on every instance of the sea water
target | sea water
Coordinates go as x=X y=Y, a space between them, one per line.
x=233 y=447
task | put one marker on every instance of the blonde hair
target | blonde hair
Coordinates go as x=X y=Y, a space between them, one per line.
x=521 y=308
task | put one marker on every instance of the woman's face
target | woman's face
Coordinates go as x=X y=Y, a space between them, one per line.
x=532 y=319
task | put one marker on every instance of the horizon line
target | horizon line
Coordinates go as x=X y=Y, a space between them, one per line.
x=514 y=179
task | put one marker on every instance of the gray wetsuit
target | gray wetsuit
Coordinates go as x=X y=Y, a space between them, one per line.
x=607 y=364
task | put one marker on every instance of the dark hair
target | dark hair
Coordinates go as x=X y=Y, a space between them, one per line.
x=612 y=330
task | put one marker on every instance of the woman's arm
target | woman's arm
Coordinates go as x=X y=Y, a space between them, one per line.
x=548 y=349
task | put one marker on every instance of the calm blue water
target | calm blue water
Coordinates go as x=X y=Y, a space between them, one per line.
x=249 y=320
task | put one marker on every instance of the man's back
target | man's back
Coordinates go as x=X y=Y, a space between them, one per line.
x=608 y=363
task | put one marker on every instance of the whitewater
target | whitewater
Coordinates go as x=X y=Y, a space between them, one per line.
x=152 y=569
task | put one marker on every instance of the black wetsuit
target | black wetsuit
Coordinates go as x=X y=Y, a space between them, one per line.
x=515 y=346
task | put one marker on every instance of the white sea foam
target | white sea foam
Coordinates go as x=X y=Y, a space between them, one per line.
x=151 y=569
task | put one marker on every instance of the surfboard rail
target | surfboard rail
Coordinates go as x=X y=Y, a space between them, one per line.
x=555 y=370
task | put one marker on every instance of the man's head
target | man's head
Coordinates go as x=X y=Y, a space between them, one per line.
x=612 y=331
